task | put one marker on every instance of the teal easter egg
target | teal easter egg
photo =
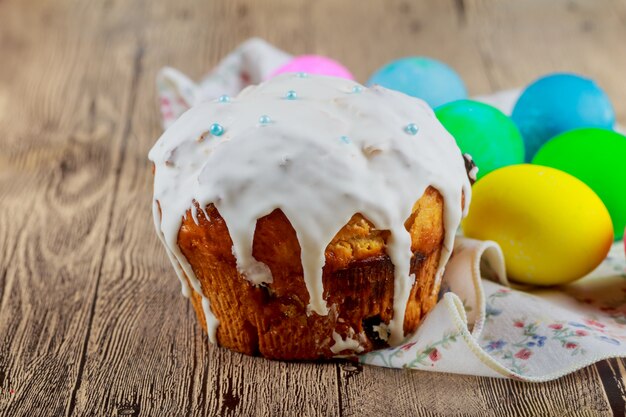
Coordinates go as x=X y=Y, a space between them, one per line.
x=426 y=78
x=557 y=103
x=484 y=132
x=598 y=158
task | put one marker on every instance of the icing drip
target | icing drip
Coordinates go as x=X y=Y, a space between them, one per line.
x=319 y=158
x=349 y=343
x=185 y=273
x=211 y=321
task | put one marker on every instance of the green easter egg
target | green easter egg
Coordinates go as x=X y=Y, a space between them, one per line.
x=484 y=132
x=598 y=158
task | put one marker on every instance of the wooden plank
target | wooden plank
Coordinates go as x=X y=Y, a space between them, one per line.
x=62 y=112
x=146 y=353
x=91 y=320
x=613 y=375
x=373 y=391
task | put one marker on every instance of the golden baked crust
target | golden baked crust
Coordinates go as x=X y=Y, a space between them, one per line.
x=358 y=281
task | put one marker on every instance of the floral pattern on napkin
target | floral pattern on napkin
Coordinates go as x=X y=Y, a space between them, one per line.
x=532 y=335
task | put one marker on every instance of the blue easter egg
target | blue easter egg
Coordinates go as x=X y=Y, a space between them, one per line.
x=557 y=103
x=421 y=77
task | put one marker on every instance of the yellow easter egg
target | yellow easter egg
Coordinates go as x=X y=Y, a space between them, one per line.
x=552 y=227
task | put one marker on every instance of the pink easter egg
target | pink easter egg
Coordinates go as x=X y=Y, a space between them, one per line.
x=314 y=64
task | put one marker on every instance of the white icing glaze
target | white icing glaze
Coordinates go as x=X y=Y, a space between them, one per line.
x=473 y=172
x=349 y=343
x=383 y=331
x=211 y=321
x=325 y=156
x=184 y=273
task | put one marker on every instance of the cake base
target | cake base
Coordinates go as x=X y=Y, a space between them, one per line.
x=272 y=321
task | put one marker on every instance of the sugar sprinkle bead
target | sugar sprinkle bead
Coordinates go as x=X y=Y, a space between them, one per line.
x=411 y=129
x=224 y=98
x=216 y=129
x=357 y=89
x=345 y=139
x=265 y=120
x=291 y=95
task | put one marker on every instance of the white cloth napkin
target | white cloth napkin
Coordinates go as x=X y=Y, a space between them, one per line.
x=480 y=326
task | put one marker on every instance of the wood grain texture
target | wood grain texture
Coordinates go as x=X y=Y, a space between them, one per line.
x=91 y=318
x=61 y=121
x=613 y=375
x=366 y=390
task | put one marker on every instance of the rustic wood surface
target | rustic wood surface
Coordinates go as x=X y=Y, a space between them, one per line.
x=91 y=318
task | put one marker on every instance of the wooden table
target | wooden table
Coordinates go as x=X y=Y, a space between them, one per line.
x=91 y=318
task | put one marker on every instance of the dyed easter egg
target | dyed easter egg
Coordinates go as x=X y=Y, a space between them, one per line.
x=598 y=158
x=421 y=77
x=552 y=228
x=557 y=103
x=314 y=64
x=484 y=132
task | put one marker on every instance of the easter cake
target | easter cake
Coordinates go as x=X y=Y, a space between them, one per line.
x=309 y=217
